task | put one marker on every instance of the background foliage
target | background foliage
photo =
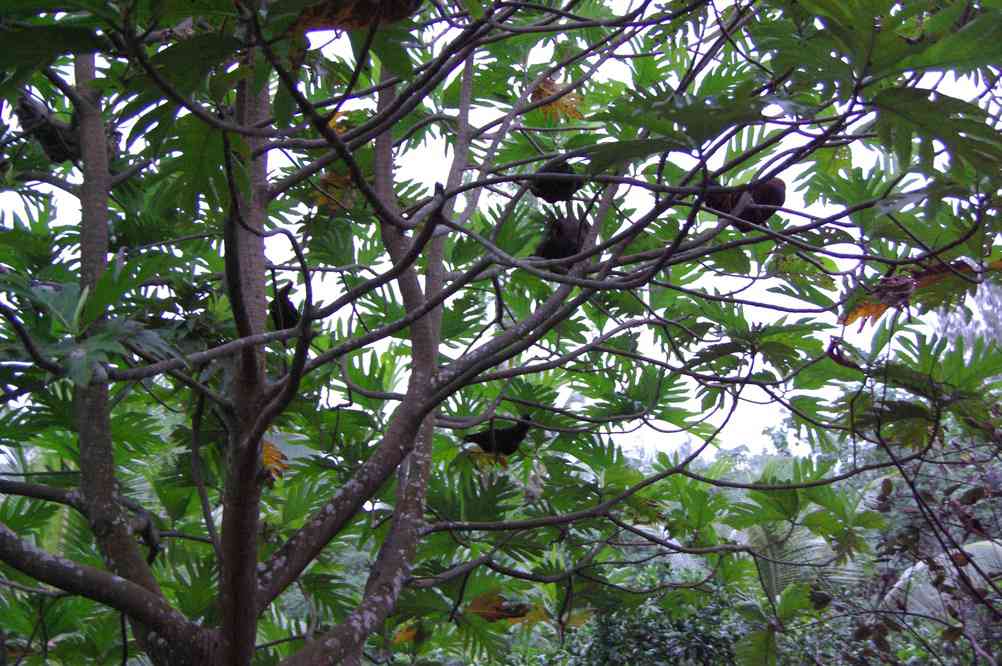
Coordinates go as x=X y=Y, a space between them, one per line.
x=305 y=495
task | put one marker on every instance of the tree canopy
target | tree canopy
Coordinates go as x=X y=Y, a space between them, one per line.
x=325 y=325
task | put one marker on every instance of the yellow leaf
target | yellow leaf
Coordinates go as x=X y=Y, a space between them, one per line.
x=483 y=460
x=865 y=311
x=579 y=617
x=336 y=191
x=567 y=105
x=896 y=290
x=492 y=607
x=535 y=616
x=273 y=461
x=341 y=122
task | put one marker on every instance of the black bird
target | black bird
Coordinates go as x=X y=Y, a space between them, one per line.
x=499 y=440
x=722 y=201
x=283 y=313
x=564 y=238
x=553 y=189
x=770 y=193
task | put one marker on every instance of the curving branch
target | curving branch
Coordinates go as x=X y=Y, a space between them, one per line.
x=183 y=642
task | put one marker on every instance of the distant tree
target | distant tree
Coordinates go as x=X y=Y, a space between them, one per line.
x=268 y=266
x=645 y=635
x=984 y=321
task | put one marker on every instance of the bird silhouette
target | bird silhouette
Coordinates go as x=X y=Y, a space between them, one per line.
x=564 y=238
x=756 y=208
x=553 y=189
x=500 y=440
x=283 y=313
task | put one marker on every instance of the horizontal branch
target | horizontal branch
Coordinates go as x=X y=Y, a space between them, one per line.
x=137 y=602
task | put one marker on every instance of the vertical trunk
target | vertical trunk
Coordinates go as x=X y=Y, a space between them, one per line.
x=96 y=179
x=97 y=463
x=393 y=563
x=246 y=271
x=107 y=518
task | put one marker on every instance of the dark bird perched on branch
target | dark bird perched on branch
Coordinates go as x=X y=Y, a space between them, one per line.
x=564 y=238
x=500 y=440
x=754 y=204
x=283 y=313
x=59 y=140
x=553 y=188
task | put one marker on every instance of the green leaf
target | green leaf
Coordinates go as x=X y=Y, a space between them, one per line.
x=977 y=44
x=930 y=116
x=39 y=45
x=837 y=10
x=614 y=154
x=23 y=515
x=757 y=648
x=176 y=500
x=778 y=504
x=186 y=64
x=63 y=301
x=200 y=163
x=114 y=283
x=734 y=260
x=332 y=242
x=795 y=598
x=690 y=121
x=822 y=523
x=388 y=47
x=79 y=366
x=870 y=520
x=475 y=8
